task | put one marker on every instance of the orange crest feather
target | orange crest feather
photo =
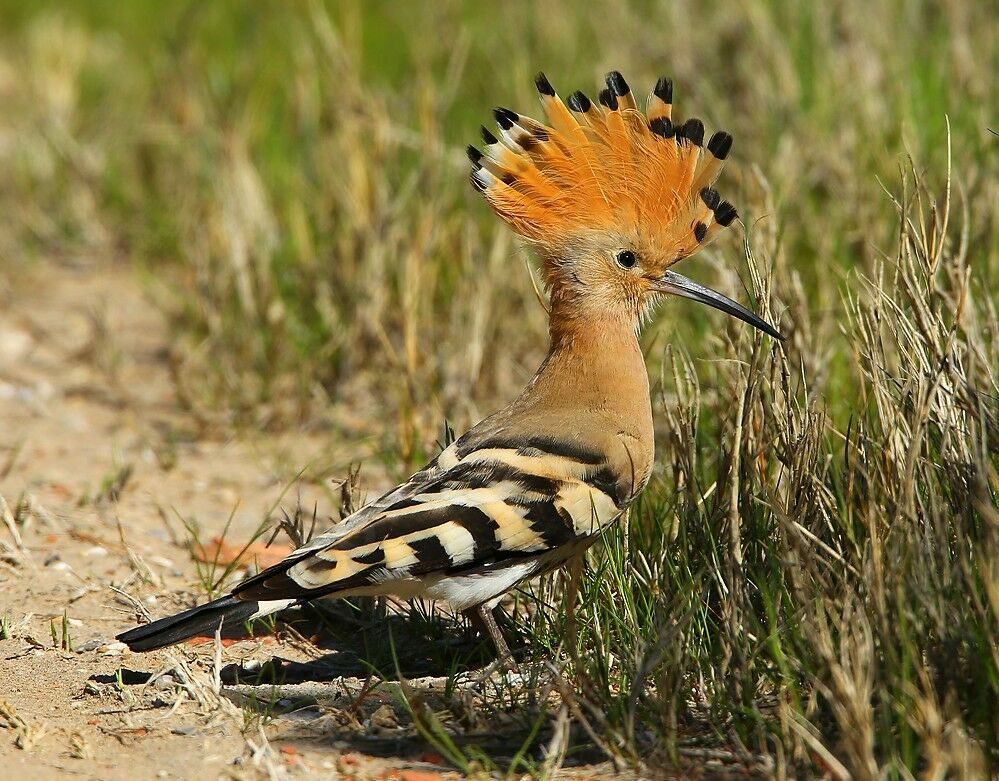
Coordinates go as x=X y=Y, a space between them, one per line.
x=608 y=166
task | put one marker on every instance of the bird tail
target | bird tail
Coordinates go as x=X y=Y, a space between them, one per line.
x=229 y=611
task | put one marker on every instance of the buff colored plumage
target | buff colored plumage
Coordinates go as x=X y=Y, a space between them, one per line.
x=611 y=198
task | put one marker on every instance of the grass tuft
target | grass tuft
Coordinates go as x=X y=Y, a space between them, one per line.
x=803 y=588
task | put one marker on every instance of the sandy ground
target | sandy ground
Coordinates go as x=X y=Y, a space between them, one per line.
x=98 y=464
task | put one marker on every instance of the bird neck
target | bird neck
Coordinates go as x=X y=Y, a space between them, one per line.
x=595 y=363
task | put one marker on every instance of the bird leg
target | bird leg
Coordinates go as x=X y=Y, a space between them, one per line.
x=481 y=617
x=575 y=568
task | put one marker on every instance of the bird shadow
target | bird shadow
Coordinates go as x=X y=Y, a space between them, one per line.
x=364 y=642
x=362 y=639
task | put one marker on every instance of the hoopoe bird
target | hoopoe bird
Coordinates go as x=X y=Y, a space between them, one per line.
x=610 y=198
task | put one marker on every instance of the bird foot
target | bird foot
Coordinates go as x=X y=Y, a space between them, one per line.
x=499 y=673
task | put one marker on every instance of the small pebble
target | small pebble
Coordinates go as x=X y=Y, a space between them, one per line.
x=417 y=775
x=15 y=344
x=45 y=389
x=384 y=716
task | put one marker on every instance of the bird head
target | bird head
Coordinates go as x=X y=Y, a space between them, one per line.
x=611 y=197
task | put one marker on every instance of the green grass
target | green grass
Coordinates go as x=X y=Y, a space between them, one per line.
x=810 y=578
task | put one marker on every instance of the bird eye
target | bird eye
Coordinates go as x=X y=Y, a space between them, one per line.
x=626 y=259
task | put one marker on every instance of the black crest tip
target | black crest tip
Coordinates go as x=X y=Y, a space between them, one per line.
x=608 y=99
x=725 y=214
x=616 y=84
x=693 y=129
x=505 y=118
x=710 y=197
x=664 y=90
x=579 y=103
x=700 y=231
x=474 y=156
x=544 y=86
x=662 y=127
x=487 y=137
x=720 y=144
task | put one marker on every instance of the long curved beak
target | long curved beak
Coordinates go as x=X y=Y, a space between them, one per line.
x=679 y=285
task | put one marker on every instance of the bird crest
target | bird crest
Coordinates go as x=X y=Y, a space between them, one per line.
x=605 y=166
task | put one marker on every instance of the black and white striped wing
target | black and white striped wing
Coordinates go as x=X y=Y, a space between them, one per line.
x=471 y=508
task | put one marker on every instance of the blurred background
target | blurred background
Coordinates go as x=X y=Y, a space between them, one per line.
x=289 y=178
